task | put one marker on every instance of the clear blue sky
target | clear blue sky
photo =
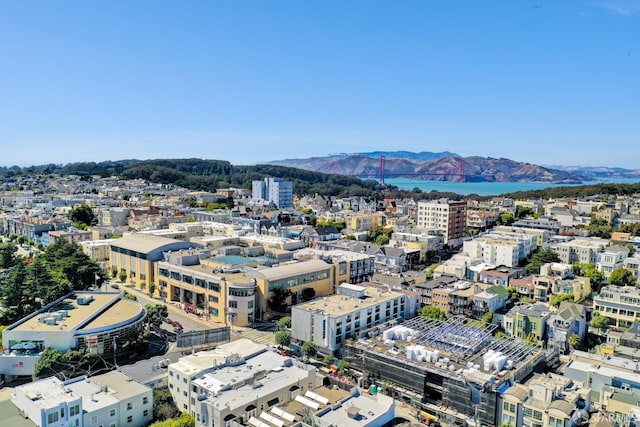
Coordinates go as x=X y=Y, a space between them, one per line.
x=548 y=82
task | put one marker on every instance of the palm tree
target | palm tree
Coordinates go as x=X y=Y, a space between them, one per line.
x=574 y=341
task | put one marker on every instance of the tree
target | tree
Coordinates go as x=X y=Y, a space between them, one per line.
x=574 y=340
x=309 y=349
x=278 y=300
x=541 y=257
x=82 y=216
x=596 y=277
x=48 y=363
x=283 y=338
x=328 y=360
x=555 y=300
x=381 y=240
x=622 y=277
x=285 y=322
x=487 y=317
x=70 y=261
x=163 y=405
x=343 y=365
x=184 y=420
x=8 y=255
x=152 y=288
x=599 y=322
x=506 y=219
x=156 y=313
x=122 y=275
x=114 y=272
x=431 y=312
x=514 y=297
x=143 y=285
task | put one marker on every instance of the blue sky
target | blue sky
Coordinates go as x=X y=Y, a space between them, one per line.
x=547 y=82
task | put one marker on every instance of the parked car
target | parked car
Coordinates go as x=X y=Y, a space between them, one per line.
x=178 y=329
x=168 y=320
x=176 y=324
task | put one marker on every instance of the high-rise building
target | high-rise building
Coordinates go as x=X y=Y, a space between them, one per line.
x=275 y=190
x=448 y=216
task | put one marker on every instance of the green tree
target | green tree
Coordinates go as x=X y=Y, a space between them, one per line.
x=114 y=272
x=309 y=349
x=163 y=405
x=184 y=420
x=343 y=365
x=48 y=363
x=82 y=216
x=71 y=262
x=596 y=277
x=555 y=300
x=540 y=258
x=122 y=275
x=328 y=360
x=431 y=312
x=487 y=317
x=574 y=340
x=19 y=297
x=599 y=322
x=513 y=294
x=381 y=240
x=285 y=322
x=49 y=286
x=8 y=255
x=631 y=247
x=622 y=277
x=143 y=285
x=156 y=313
x=506 y=219
x=283 y=338
x=376 y=231
x=152 y=288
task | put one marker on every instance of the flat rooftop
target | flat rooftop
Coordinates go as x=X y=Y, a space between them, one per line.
x=104 y=309
x=338 y=305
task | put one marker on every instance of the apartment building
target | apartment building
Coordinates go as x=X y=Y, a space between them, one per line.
x=527 y=320
x=109 y=400
x=580 y=250
x=236 y=382
x=620 y=304
x=329 y=321
x=548 y=400
x=448 y=216
x=426 y=242
x=501 y=248
x=611 y=258
x=275 y=190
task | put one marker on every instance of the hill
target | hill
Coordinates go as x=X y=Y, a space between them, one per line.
x=440 y=167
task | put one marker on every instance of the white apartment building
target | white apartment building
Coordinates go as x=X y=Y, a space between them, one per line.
x=501 y=248
x=237 y=381
x=611 y=258
x=329 y=321
x=108 y=400
x=580 y=250
x=275 y=190
x=620 y=304
x=449 y=216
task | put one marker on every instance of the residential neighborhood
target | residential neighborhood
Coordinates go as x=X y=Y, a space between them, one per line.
x=266 y=308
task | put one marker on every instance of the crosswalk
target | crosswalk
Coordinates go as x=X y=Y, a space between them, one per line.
x=260 y=337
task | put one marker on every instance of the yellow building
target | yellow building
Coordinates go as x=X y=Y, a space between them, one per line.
x=295 y=277
x=136 y=255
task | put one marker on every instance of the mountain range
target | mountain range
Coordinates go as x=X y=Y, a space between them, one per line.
x=442 y=166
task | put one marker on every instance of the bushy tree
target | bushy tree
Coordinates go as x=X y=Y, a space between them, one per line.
x=328 y=360
x=431 y=312
x=285 y=322
x=163 y=405
x=574 y=340
x=82 y=216
x=555 y=300
x=309 y=349
x=152 y=288
x=8 y=255
x=283 y=338
x=122 y=276
x=599 y=322
x=487 y=317
x=184 y=420
x=622 y=277
x=156 y=313
x=596 y=277
x=540 y=258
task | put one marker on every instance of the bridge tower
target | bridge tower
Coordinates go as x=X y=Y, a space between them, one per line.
x=462 y=174
x=381 y=169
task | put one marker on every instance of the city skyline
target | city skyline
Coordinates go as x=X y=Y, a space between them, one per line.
x=251 y=82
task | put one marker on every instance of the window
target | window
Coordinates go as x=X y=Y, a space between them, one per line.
x=112 y=413
x=52 y=417
x=213 y=299
x=184 y=393
x=94 y=419
x=184 y=380
x=250 y=304
x=145 y=412
x=129 y=406
x=112 y=425
x=74 y=410
x=130 y=419
x=145 y=400
x=233 y=304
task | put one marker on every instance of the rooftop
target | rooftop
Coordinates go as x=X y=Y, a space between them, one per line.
x=338 y=305
x=284 y=271
x=143 y=243
x=70 y=313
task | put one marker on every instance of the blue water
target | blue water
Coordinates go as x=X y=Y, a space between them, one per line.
x=483 y=188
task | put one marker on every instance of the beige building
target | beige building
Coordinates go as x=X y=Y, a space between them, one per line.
x=449 y=216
